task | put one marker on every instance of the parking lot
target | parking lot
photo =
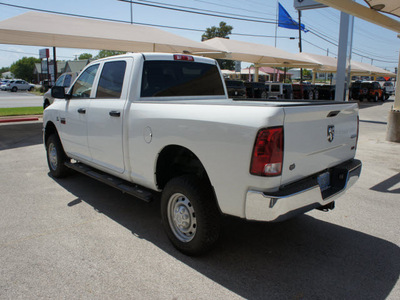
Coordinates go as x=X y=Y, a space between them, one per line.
x=77 y=238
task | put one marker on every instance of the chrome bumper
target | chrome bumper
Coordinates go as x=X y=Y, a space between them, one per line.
x=302 y=196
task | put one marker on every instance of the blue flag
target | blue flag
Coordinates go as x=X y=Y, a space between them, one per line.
x=286 y=21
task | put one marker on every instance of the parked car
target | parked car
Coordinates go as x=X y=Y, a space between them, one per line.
x=255 y=90
x=235 y=88
x=325 y=92
x=15 y=85
x=388 y=88
x=278 y=90
x=65 y=80
x=372 y=91
x=3 y=84
x=303 y=91
x=354 y=91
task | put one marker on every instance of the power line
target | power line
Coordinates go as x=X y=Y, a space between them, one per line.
x=193 y=8
x=232 y=7
x=199 y=12
x=312 y=31
x=36 y=54
x=137 y=23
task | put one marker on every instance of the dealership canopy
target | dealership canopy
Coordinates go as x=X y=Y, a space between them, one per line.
x=257 y=53
x=328 y=64
x=51 y=30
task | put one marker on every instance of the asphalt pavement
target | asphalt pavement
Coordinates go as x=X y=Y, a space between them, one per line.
x=19 y=99
x=76 y=238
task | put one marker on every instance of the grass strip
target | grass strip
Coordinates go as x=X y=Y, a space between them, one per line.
x=20 y=111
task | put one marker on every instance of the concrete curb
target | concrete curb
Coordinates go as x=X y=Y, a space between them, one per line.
x=19 y=119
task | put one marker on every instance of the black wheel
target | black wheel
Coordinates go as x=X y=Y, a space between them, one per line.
x=56 y=157
x=310 y=95
x=264 y=95
x=14 y=89
x=30 y=89
x=190 y=215
x=376 y=97
x=316 y=95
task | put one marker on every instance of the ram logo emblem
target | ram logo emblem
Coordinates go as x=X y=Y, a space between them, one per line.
x=331 y=133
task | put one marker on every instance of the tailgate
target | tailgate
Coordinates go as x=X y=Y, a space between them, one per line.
x=317 y=137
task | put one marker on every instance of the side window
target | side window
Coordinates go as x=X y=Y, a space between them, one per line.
x=67 y=80
x=60 y=80
x=83 y=86
x=275 y=88
x=111 y=80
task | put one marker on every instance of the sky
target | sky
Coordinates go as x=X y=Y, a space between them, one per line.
x=371 y=43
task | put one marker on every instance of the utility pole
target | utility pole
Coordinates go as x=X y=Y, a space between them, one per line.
x=300 y=46
x=55 y=64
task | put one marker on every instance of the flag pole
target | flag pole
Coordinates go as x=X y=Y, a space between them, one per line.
x=276 y=18
x=276 y=29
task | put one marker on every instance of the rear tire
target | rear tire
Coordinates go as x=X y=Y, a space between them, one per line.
x=56 y=157
x=376 y=97
x=14 y=89
x=190 y=214
x=264 y=95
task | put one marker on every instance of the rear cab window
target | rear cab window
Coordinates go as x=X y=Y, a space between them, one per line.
x=176 y=78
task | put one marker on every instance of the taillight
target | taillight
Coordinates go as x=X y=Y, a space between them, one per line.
x=183 y=57
x=267 y=156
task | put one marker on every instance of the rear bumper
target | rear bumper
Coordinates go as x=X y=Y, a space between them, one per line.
x=301 y=196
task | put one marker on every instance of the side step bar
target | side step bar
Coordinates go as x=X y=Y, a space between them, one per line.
x=124 y=186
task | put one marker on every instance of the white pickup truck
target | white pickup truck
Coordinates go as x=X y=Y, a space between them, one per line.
x=161 y=126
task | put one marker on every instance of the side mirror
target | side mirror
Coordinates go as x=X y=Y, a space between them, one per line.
x=59 y=92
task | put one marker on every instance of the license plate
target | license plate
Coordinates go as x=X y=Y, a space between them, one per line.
x=324 y=181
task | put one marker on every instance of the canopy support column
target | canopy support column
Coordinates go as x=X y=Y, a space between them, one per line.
x=393 y=126
x=256 y=72
x=344 y=57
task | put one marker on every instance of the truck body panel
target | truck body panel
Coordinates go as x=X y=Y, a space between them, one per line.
x=122 y=114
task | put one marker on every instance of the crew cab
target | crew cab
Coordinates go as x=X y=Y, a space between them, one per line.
x=161 y=127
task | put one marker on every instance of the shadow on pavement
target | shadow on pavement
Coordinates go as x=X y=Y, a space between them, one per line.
x=386 y=185
x=20 y=135
x=367 y=104
x=301 y=258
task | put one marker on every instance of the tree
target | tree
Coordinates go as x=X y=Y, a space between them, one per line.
x=106 y=53
x=222 y=31
x=4 y=69
x=85 y=56
x=24 y=68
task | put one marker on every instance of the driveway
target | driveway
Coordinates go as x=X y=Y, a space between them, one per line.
x=77 y=238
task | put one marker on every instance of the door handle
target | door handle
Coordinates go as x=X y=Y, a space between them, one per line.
x=114 y=113
x=82 y=110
